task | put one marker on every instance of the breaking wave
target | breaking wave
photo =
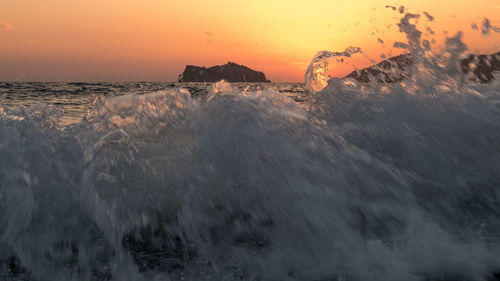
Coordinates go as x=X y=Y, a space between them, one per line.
x=362 y=182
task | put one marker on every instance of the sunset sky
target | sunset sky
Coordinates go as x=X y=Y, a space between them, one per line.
x=152 y=40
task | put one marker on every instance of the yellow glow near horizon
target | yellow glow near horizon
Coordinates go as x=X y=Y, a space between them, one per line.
x=128 y=40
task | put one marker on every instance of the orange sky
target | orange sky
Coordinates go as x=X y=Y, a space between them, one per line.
x=152 y=40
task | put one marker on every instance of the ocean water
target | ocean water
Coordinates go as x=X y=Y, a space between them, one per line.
x=74 y=99
x=343 y=181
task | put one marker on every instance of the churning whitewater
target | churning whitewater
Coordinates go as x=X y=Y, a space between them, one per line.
x=361 y=182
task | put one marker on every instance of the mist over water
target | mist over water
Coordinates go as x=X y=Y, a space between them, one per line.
x=360 y=182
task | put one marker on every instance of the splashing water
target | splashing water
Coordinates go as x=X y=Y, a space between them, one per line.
x=316 y=77
x=362 y=182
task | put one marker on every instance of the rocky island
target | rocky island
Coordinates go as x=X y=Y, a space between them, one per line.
x=391 y=70
x=231 y=72
x=479 y=68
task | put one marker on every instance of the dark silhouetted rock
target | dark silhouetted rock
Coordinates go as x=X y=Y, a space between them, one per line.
x=230 y=72
x=392 y=70
x=479 y=68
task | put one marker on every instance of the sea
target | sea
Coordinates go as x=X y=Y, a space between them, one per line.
x=74 y=99
x=327 y=180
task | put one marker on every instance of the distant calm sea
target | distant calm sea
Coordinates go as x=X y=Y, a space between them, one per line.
x=75 y=98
